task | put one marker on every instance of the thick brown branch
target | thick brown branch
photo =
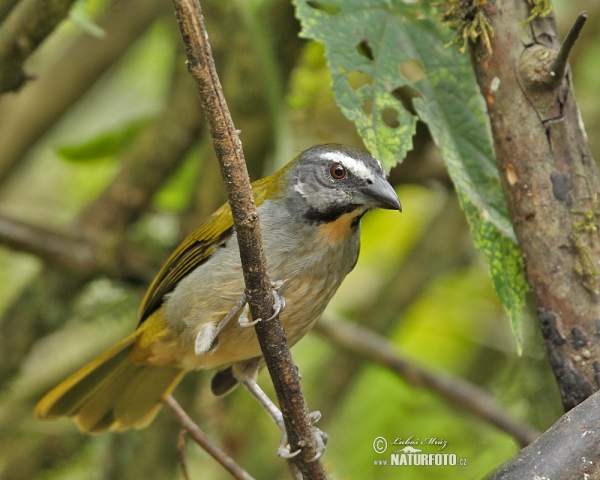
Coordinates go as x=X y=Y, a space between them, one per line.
x=569 y=449
x=30 y=22
x=551 y=184
x=202 y=439
x=228 y=147
x=459 y=392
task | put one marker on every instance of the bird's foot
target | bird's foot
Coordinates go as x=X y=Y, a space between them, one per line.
x=321 y=438
x=284 y=449
x=278 y=306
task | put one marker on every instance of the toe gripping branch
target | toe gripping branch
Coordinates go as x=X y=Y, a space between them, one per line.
x=278 y=306
x=207 y=338
x=284 y=449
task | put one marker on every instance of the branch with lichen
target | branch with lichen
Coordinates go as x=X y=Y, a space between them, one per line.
x=539 y=9
x=549 y=179
x=469 y=20
x=583 y=238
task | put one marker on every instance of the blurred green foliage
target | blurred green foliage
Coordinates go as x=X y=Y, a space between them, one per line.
x=454 y=323
x=412 y=55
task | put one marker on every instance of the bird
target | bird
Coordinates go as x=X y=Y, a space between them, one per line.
x=194 y=314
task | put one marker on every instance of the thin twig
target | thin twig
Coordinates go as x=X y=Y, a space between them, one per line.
x=560 y=62
x=181 y=449
x=461 y=393
x=228 y=148
x=201 y=439
x=86 y=256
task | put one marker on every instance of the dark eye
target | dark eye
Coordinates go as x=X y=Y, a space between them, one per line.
x=337 y=171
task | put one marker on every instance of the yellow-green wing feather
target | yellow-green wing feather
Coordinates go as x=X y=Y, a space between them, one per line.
x=197 y=249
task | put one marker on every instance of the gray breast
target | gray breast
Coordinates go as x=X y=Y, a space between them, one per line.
x=311 y=268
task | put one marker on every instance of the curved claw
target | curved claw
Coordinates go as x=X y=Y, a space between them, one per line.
x=322 y=438
x=278 y=307
x=314 y=417
x=250 y=324
x=278 y=304
x=243 y=320
x=284 y=452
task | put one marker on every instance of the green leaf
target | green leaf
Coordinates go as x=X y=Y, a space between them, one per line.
x=107 y=144
x=79 y=15
x=504 y=261
x=388 y=46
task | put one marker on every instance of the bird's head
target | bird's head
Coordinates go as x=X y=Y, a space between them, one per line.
x=327 y=181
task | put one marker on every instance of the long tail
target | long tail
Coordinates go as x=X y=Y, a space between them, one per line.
x=112 y=392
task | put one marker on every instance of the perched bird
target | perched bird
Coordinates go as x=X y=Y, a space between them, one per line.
x=193 y=315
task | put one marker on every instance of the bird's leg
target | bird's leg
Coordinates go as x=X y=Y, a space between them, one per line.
x=209 y=332
x=205 y=339
x=278 y=306
x=284 y=448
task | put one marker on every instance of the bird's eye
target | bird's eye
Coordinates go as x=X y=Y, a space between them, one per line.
x=337 y=171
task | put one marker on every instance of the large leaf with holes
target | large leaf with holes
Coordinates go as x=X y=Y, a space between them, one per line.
x=400 y=46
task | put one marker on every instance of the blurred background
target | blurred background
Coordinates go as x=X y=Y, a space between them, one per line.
x=106 y=164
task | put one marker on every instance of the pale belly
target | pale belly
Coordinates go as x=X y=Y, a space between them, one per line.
x=210 y=292
x=303 y=308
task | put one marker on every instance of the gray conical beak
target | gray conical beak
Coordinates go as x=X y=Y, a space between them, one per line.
x=379 y=194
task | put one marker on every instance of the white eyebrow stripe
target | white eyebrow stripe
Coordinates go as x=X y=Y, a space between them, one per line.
x=355 y=166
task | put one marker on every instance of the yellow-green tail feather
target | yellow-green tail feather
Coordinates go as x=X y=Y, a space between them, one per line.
x=112 y=392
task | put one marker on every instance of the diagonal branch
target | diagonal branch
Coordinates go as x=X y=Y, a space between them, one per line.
x=5 y=8
x=80 y=255
x=568 y=449
x=28 y=24
x=54 y=247
x=459 y=392
x=202 y=439
x=228 y=148
x=25 y=118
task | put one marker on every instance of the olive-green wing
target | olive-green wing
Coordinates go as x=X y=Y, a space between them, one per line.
x=194 y=251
